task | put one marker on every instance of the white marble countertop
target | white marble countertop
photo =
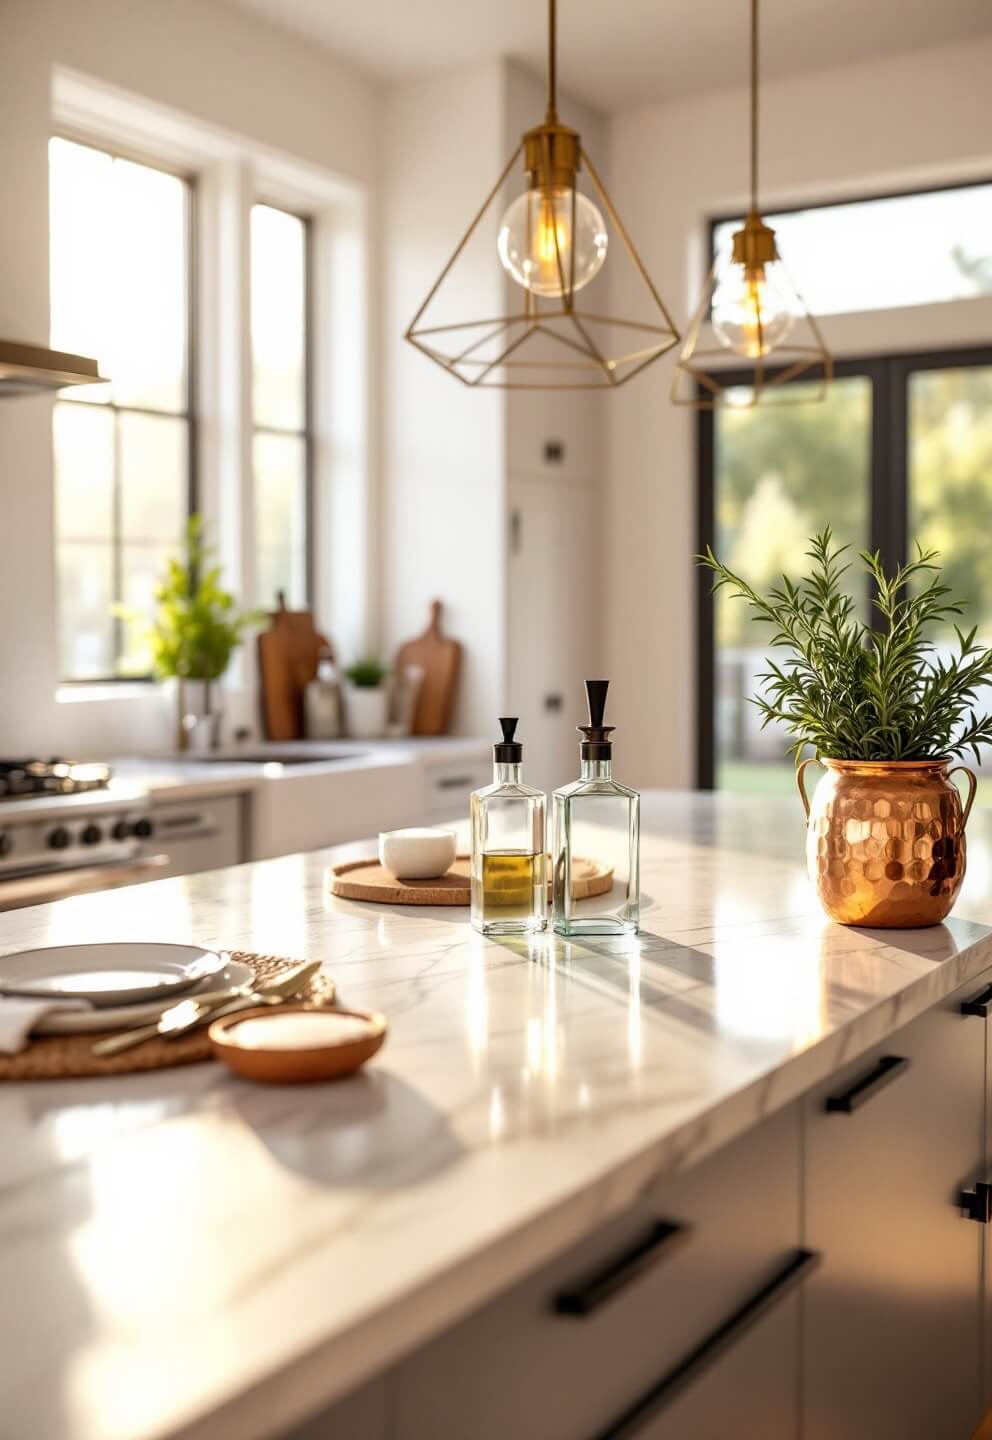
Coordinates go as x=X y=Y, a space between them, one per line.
x=187 y=1255
x=181 y=777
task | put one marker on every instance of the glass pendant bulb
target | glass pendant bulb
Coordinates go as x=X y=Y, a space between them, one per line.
x=539 y=248
x=752 y=309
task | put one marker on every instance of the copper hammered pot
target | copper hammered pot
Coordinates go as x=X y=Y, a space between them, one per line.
x=885 y=840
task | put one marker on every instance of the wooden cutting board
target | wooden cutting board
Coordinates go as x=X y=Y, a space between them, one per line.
x=367 y=880
x=440 y=659
x=287 y=661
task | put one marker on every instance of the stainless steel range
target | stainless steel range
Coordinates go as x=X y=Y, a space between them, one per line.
x=65 y=830
x=23 y=779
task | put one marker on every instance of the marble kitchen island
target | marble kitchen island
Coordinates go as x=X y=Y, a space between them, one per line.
x=187 y=1255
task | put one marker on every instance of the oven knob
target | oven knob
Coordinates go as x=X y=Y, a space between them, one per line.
x=59 y=838
x=91 y=835
x=6 y=844
x=143 y=828
x=121 y=830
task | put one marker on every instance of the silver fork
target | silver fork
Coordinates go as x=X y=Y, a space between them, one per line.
x=187 y=1014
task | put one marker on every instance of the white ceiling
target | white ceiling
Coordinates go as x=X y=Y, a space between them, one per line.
x=619 y=53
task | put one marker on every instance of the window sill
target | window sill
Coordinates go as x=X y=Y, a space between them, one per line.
x=115 y=690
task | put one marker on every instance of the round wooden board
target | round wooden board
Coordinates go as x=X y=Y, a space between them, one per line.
x=367 y=880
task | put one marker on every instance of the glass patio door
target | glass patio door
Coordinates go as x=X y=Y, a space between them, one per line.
x=780 y=475
x=899 y=452
x=949 y=488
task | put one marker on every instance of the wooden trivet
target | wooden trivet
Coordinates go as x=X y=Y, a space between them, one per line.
x=367 y=880
x=64 y=1057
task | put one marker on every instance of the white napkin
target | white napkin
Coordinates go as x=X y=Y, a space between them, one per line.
x=19 y=1015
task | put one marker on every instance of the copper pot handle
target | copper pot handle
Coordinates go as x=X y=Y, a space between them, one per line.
x=972 y=787
x=801 y=781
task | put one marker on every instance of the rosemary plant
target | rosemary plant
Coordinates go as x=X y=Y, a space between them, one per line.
x=854 y=692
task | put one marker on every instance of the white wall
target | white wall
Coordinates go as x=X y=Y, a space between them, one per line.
x=456 y=461
x=444 y=482
x=211 y=62
x=909 y=121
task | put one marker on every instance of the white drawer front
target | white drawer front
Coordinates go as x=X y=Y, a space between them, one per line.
x=449 y=786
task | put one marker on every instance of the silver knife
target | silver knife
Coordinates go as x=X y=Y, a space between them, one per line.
x=187 y=1014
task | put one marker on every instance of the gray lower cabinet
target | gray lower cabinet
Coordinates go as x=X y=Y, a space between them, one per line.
x=892 y=1318
x=822 y=1276
x=676 y=1320
x=980 y=1006
x=748 y=1391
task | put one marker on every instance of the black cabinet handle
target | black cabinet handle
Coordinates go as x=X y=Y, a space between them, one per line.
x=594 y=1292
x=454 y=782
x=977 y=1203
x=880 y=1075
x=792 y=1274
x=979 y=1005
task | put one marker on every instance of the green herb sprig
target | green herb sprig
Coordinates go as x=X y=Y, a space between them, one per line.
x=854 y=692
x=197 y=625
x=367 y=674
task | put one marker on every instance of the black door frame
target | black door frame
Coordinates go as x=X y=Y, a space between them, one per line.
x=889 y=499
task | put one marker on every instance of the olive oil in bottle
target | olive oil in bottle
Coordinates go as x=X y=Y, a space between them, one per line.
x=509 y=872
x=512 y=883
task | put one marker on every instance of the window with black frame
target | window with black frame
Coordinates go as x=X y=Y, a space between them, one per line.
x=120 y=290
x=898 y=452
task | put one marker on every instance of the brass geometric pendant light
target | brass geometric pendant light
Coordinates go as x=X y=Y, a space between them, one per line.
x=552 y=242
x=754 y=311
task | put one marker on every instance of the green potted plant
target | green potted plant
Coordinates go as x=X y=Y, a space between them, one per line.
x=196 y=629
x=366 y=699
x=885 y=714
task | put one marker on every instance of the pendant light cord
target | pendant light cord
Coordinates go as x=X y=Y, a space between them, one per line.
x=552 y=115
x=754 y=106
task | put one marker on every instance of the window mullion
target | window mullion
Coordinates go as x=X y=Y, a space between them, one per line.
x=117 y=540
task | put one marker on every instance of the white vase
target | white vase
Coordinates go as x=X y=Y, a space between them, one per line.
x=366 y=711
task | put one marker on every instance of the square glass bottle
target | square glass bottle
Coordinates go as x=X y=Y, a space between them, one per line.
x=509 y=880
x=598 y=819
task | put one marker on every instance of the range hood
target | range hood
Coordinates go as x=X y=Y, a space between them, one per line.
x=31 y=369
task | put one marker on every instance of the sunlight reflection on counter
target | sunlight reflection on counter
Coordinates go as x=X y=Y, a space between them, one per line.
x=278 y=919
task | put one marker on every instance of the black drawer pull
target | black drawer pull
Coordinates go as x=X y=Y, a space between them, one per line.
x=799 y=1264
x=595 y=1291
x=454 y=782
x=978 y=1202
x=882 y=1074
x=979 y=1005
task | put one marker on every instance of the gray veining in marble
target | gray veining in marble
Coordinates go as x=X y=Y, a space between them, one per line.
x=186 y=1254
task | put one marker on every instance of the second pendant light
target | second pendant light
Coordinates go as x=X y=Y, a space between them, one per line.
x=755 y=312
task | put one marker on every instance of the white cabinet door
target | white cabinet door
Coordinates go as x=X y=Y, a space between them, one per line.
x=892 y=1322
x=592 y=1342
x=554 y=621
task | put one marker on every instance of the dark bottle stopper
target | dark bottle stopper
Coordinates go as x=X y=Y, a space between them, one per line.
x=596 y=744
x=508 y=751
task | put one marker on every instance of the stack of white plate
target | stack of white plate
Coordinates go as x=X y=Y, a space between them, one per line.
x=120 y=983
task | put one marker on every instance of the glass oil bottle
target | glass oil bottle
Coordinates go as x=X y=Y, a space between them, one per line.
x=509 y=866
x=597 y=820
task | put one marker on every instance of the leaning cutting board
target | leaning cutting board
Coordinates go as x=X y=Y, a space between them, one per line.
x=440 y=659
x=287 y=661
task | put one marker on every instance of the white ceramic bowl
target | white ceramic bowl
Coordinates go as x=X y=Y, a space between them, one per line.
x=416 y=854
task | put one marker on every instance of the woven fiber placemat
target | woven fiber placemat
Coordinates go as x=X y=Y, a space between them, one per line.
x=64 y=1057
